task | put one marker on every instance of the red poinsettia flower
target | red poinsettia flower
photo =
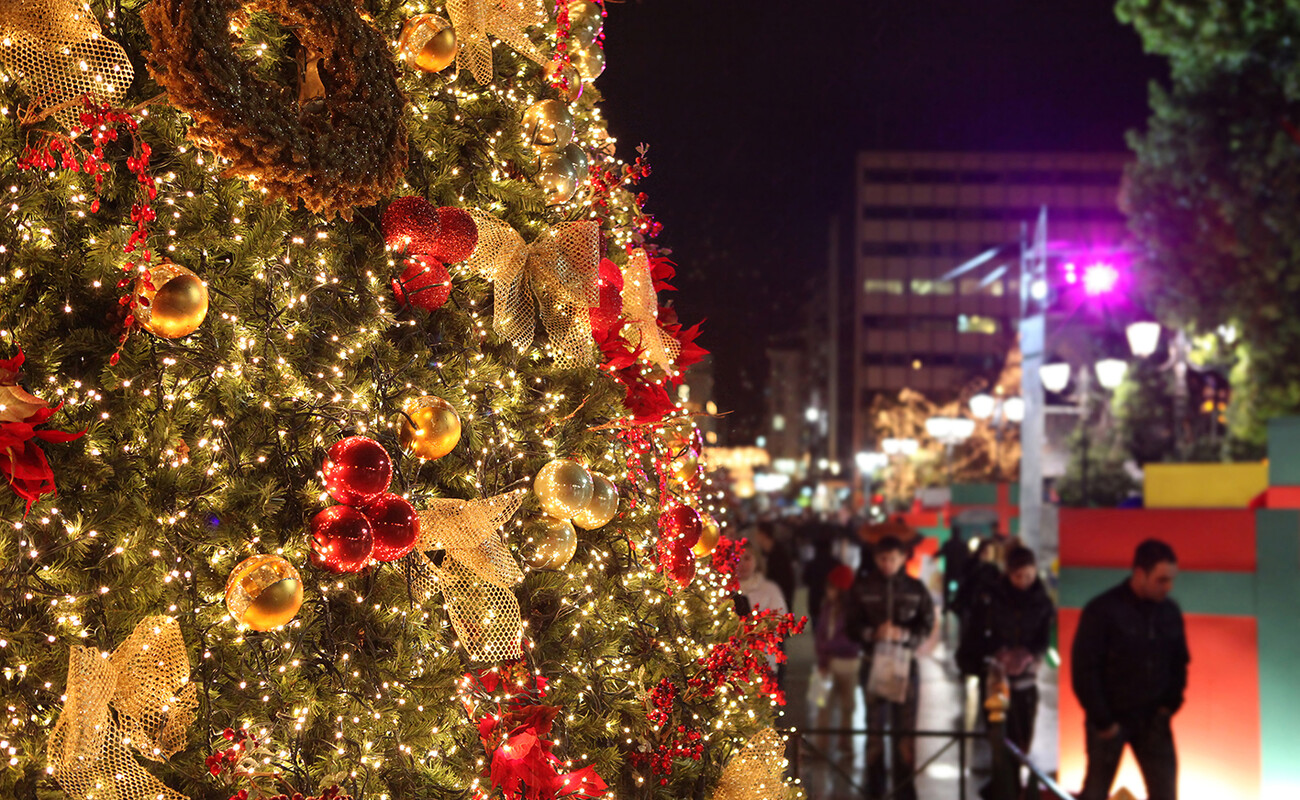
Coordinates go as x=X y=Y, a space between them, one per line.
x=607 y=318
x=22 y=462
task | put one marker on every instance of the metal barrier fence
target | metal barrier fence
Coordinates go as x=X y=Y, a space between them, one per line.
x=1004 y=775
x=802 y=741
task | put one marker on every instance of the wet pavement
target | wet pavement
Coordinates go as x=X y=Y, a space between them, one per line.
x=943 y=707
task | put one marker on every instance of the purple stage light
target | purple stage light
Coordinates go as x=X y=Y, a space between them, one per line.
x=1100 y=278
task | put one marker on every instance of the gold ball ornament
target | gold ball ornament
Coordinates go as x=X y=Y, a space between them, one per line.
x=549 y=542
x=585 y=21
x=564 y=488
x=430 y=428
x=577 y=158
x=603 y=505
x=573 y=80
x=548 y=124
x=264 y=592
x=177 y=303
x=710 y=534
x=428 y=42
x=557 y=178
x=589 y=61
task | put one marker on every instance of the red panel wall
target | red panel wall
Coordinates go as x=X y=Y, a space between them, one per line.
x=1217 y=732
x=1221 y=540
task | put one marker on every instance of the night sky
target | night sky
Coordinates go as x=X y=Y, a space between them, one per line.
x=753 y=112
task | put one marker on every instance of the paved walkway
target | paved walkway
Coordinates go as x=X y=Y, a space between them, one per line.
x=942 y=709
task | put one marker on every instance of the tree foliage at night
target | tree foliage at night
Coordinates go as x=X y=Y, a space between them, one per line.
x=1212 y=197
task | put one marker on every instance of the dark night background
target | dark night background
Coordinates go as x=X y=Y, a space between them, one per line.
x=753 y=112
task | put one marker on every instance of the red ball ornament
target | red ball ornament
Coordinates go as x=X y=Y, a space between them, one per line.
x=457 y=238
x=395 y=526
x=681 y=524
x=683 y=569
x=341 y=539
x=357 y=470
x=677 y=561
x=425 y=283
x=411 y=225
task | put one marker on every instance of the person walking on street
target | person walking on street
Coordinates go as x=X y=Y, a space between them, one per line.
x=1017 y=636
x=891 y=606
x=761 y=593
x=839 y=657
x=780 y=563
x=1130 y=661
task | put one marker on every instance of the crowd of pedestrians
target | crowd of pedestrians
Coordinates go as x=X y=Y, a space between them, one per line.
x=869 y=617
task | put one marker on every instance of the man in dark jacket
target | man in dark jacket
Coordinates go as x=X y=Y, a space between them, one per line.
x=890 y=605
x=1130 y=671
x=1016 y=635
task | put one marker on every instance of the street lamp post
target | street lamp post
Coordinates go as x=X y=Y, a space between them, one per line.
x=950 y=432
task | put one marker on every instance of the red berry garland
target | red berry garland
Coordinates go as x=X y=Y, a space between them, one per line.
x=102 y=123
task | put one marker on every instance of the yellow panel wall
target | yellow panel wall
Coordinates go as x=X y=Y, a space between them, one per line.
x=1203 y=485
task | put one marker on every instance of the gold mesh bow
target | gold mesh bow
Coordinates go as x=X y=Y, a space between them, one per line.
x=476 y=574
x=146 y=682
x=507 y=20
x=560 y=269
x=757 y=772
x=57 y=52
x=641 y=308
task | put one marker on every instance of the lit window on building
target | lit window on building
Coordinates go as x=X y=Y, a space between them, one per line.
x=970 y=286
x=884 y=286
x=778 y=422
x=973 y=323
x=925 y=286
x=995 y=288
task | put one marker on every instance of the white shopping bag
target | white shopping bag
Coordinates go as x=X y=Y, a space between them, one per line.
x=819 y=688
x=891 y=665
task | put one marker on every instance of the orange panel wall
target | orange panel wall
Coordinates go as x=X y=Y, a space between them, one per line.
x=1217 y=732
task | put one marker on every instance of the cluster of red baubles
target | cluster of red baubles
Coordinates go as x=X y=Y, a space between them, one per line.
x=429 y=238
x=372 y=524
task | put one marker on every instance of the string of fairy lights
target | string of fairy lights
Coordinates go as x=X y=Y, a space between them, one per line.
x=294 y=275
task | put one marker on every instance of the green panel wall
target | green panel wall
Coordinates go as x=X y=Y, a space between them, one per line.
x=1277 y=598
x=1284 y=451
x=1224 y=593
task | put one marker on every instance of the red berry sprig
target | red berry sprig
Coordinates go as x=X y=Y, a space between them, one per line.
x=102 y=122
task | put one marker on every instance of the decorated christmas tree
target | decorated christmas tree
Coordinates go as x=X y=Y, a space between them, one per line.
x=338 y=449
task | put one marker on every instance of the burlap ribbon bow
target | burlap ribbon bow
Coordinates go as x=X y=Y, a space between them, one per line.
x=507 y=20
x=641 y=309
x=757 y=772
x=477 y=573
x=57 y=52
x=557 y=272
x=146 y=682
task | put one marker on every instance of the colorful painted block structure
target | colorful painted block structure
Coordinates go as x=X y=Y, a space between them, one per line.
x=1236 y=530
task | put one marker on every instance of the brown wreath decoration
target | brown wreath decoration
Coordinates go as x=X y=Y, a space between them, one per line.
x=336 y=152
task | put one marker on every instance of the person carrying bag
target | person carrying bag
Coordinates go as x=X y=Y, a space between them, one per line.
x=892 y=615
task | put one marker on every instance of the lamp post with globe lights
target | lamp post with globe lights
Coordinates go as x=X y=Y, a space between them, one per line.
x=1144 y=340
x=998 y=412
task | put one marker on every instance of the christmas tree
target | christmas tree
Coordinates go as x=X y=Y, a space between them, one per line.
x=338 y=450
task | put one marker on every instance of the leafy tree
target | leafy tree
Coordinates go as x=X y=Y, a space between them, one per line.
x=1211 y=197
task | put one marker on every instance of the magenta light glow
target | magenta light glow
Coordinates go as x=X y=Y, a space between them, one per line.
x=1100 y=278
